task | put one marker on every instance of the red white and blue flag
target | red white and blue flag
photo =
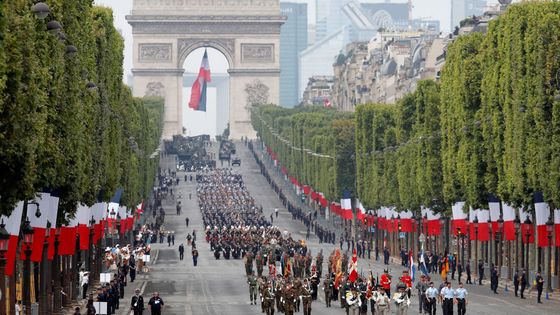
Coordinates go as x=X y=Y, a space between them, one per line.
x=411 y=265
x=198 y=90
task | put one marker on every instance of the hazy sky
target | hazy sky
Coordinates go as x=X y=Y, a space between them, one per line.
x=433 y=9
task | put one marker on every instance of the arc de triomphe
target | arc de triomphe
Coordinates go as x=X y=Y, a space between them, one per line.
x=247 y=32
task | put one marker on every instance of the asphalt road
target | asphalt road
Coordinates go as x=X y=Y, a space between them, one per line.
x=218 y=287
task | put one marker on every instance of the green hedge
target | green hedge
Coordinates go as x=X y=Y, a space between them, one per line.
x=55 y=133
x=329 y=135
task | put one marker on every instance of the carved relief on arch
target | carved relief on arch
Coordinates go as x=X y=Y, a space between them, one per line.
x=186 y=45
x=155 y=89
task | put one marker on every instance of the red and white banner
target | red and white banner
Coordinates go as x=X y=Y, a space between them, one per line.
x=459 y=220
x=83 y=216
x=542 y=213
x=509 y=225
x=406 y=221
x=483 y=225
x=381 y=219
x=494 y=206
x=39 y=225
x=346 y=209
x=432 y=224
x=360 y=211
x=13 y=224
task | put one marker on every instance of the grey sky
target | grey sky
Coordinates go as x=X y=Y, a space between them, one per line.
x=433 y=9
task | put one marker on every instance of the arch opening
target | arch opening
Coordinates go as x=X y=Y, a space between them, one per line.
x=216 y=117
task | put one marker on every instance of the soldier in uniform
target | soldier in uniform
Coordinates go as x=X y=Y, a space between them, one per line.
x=353 y=301
x=328 y=289
x=259 y=262
x=314 y=283
x=248 y=264
x=279 y=293
x=382 y=302
x=253 y=286
x=261 y=282
x=297 y=287
x=386 y=282
x=401 y=299
x=305 y=296
x=268 y=298
x=289 y=296
x=319 y=262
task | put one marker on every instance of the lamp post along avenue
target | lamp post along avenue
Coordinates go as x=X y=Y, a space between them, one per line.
x=528 y=223
x=549 y=230
x=517 y=224
x=27 y=241
x=475 y=222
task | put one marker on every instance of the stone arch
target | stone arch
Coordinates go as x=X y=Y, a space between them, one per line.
x=188 y=45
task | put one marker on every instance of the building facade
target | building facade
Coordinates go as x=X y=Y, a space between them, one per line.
x=461 y=9
x=293 y=40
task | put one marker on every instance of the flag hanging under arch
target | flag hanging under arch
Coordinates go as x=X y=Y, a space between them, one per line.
x=198 y=90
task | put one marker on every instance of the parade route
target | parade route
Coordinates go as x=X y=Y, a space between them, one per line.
x=219 y=286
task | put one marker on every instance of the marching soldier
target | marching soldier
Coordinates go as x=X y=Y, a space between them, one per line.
x=289 y=296
x=306 y=297
x=382 y=302
x=259 y=262
x=279 y=293
x=386 y=282
x=431 y=299
x=268 y=299
x=407 y=281
x=253 y=284
x=353 y=301
x=248 y=264
x=401 y=299
x=314 y=283
x=262 y=286
x=328 y=289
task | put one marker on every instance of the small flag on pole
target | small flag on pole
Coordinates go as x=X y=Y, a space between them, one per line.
x=198 y=90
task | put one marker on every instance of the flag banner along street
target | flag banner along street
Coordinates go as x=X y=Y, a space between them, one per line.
x=198 y=90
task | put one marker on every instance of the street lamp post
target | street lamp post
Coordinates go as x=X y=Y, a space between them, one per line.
x=459 y=237
x=527 y=223
x=475 y=222
x=500 y=238
x=56 y=288
x=27 y=240
x=517 y=224
x=91 y=247
x=45 y=274
x=443 y=222
x=549 y=229
x=4 y=241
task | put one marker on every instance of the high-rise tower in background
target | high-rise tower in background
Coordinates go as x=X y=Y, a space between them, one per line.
x=461 y=9
x=293 y=40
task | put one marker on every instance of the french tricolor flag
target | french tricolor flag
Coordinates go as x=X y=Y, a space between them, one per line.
x=431 y=223
x=509 y=225
x=542 y=212
x=346 y=206
x=198 y=90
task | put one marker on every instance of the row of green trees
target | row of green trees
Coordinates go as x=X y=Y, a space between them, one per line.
x=315 y=145
x=492 y=126
x=57 y=130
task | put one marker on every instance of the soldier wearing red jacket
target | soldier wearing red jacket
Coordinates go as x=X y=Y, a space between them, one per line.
x=407 y=280
x=386 y=282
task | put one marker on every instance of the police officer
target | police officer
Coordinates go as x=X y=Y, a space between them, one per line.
x=431 y=299
x=447 y=297
x=461 y=298
x=516 y=279
x=252 y=281
x=540 y=282
x=523 y=284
